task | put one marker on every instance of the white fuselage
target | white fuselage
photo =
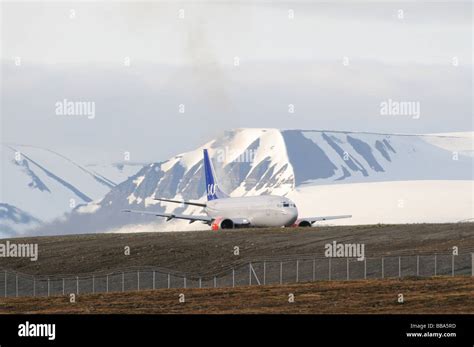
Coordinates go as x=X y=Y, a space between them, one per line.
x=259 y=211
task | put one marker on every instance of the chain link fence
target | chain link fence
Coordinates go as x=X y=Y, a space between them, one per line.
x=261 y=272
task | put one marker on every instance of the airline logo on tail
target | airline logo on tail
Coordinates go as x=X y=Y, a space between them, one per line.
x=213 y=191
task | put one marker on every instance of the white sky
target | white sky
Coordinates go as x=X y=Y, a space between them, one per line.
x=190 y=61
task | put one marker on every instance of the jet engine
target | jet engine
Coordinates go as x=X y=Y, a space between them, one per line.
x=222 y=223
x=302 y=223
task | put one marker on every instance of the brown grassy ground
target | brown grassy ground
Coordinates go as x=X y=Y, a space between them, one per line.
x=210 y=251
x=429 y=295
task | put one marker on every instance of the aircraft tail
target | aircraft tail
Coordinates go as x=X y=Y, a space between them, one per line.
x=212 y=188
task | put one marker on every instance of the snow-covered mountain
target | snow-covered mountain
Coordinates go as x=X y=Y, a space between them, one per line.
x=14 y=221
x=39 y=185
x=372 y=176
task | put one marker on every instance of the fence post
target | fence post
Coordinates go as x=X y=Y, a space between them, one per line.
x=436 y=270
x=153 y=279
x=314 y=269
x=264 y=273
x=329 y=266
x=417 y=265
x=77 y=285
x=6 y=288
x=93 y=284
x=297 y=270
x=281 y=272
x=138 y=280
x=200 y=282
x=169 y=280
x=123 y=281
x=472 y=264
x=48 y=286
x=233 y=277
x=399 y=267
x=184 y=280
x=107 y=283
x=347 y=268
x=215 y=282
x=452 y=266
x=250 y=274
x=365 y=268
x=383 y=271
x=63 y=285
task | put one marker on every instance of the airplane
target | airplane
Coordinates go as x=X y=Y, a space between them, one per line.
x=225 y=212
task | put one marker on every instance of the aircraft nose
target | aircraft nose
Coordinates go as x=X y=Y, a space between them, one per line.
x=294 y=215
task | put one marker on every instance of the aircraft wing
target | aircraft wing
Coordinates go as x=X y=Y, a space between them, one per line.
x=194 y=203
x=170 y=216
x=317 y=219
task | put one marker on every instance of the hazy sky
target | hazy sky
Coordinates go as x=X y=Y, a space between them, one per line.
x=335 y=63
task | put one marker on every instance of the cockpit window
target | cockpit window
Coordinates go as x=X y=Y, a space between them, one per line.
x=286 y=204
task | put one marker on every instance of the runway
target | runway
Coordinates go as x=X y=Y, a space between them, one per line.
x=212 y=251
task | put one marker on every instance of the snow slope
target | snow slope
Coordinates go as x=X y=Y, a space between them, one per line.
x=41 y=185
x=14 y=221
x=438 y=201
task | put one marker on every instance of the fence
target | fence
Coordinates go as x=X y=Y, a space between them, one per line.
x=259 y=272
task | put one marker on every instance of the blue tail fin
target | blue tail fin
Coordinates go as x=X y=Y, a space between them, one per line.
x=212 y=188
